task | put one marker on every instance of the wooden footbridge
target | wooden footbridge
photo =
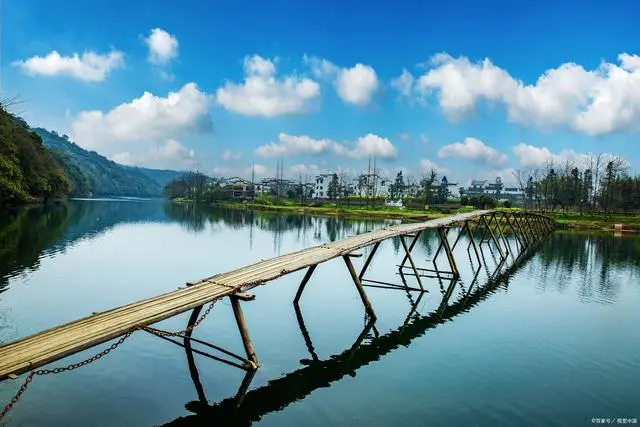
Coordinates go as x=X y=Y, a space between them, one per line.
x=35 y=351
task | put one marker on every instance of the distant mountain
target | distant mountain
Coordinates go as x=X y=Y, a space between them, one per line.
x=161 y=176
x=28 y=171
x=91 y=174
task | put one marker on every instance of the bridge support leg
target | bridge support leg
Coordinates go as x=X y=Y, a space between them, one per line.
x=535 y=238
x=193 y=369
x=493 y=237
x=368 y=260
x=359 y=287
x=472 y=241
x=526 y=237
x=244 y=387
x=407 y=250
x=464 y=227
x=502 y=235
x=447 y=249
x=513 y=229
x=411 y=245
x=305 y=279
x=475 y=229
x=244 y=332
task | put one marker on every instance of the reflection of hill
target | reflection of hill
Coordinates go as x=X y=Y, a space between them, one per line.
x=297 y=385
x=92 y=217
x=30 y=233
x=25 y=234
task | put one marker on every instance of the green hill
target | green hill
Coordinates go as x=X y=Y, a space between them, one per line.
x=28 y=171
x=161 y=176
x=91 y=174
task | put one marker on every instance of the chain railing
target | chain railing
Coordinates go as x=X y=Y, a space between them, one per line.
x=98 y=356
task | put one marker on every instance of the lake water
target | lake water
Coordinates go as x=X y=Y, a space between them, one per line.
x=553 y=343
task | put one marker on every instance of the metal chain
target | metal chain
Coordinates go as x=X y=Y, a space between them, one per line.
x=164 y=333
x=98 y=356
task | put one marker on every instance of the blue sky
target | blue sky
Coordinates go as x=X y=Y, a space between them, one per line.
x=474 y=89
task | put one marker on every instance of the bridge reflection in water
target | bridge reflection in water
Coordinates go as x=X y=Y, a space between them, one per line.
x=248 y=406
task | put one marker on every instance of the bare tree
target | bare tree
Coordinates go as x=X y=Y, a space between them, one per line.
x=523 y=178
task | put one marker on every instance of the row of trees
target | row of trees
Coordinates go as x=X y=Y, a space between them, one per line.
x=598 y=183
x=193 y=186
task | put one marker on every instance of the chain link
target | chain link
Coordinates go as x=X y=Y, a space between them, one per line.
x=190 y=328
x=98 y=356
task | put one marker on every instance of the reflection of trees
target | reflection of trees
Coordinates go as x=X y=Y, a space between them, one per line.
x=595 y=262
x=326 y=229
x=25 y=234
x=28 y=234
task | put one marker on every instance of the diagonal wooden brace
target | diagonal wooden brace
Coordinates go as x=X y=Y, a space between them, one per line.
x=493 y=237
x=368 y=260
x=449 y=253
x=411 y=245
x=407 y=250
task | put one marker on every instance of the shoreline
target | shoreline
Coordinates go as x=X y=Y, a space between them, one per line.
x=586 y=222
x=330 y=211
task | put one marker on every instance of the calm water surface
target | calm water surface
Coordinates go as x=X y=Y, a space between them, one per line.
x=555 y=342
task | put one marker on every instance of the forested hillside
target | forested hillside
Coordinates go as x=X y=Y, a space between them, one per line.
x=28 y=171
x=91 y=174
x=161 y=176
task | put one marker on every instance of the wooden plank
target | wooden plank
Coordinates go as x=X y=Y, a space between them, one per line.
x=56 y=343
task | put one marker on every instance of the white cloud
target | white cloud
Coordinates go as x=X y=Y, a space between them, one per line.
x=290 y=145
x=532 y=156
x=629 y=62
x=427 y=165
x=230 y=155
x=302 y=169
x=406 y=137
x=89 y=66
x=168 y=154
x=257 y=169
x=163 y=47
x=475 y=150
x=595 y=102
x=222 y=170
x=373 y=145
x=263 y=94
x=246 y=172
x=403 y=83
x=147 y=118
x=357 y=85
x=507 y=175
x=320 y=68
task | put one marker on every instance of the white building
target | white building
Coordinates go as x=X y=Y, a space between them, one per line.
x=321 y=189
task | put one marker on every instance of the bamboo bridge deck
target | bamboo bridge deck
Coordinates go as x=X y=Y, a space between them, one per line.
x=32 y=352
